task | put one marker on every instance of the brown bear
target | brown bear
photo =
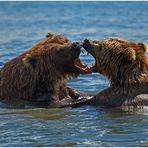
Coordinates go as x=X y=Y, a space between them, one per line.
x=125 y=64
x=38 y=76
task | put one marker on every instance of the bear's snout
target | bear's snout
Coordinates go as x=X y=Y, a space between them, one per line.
x=87 y=43
x=77 y=45
x=88 y=46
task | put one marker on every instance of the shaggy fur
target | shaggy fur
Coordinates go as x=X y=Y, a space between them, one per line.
x=39 y=74
x=125 y=65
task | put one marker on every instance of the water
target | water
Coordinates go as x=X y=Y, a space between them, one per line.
x=24 y=23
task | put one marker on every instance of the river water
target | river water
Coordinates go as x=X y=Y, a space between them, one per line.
x=24 y=23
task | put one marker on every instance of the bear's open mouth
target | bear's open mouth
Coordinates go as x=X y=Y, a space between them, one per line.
x=83 y=68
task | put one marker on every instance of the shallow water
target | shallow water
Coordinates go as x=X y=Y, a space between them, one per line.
x=24 y=23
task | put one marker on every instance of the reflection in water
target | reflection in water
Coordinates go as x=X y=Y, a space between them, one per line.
x=76 y=127
x=39 y=113
x=23 y=24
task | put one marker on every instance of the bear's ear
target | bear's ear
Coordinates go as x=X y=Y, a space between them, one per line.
x=129 y=55
x=142 y=47
x=49 y=35
x=29 y=60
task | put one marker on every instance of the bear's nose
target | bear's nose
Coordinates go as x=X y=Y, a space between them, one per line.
x=76 y=45
x=86 y=41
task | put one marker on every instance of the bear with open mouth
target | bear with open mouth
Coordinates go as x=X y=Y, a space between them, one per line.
x=125 y=65
x=38 y=76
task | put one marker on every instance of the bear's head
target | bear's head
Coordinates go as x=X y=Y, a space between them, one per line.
x=56 y=55
x=121 y=61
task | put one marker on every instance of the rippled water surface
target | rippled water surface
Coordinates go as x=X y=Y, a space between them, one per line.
x=24 y=23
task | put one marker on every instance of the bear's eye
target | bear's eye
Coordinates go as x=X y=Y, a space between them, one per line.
x=96 y=42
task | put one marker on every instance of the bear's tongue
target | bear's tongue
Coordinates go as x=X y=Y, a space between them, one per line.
x=84 y=69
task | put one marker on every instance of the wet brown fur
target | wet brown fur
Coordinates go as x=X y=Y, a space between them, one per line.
x=125 y=64
x=36 y=74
